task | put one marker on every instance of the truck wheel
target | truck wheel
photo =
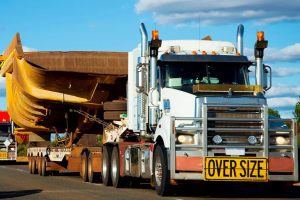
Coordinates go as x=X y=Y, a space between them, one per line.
x=44 y=166
x=84 y=167
x=117 y=180
x=92 y=176
x=161 y=172
x=106 y=175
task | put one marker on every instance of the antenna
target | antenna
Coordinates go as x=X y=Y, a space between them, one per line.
x=199 y=32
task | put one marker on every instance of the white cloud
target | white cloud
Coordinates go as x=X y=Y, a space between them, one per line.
x=278 y=102
x=284 y=90
x=289 y=53
x=285 y=71
x=29 y=49
x=218 y=12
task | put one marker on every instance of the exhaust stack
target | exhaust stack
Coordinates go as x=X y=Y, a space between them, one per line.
x=142 y=82
x=144 y=42
x=239 y=39
x=260 y=45
x=153 y=92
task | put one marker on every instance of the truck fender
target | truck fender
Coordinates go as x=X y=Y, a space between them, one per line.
x=163 y=131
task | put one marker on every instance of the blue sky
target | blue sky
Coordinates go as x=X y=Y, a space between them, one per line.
x=63 y=25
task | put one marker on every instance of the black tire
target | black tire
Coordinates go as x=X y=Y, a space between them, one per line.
x=106 y=161
x=44 y=166
x=92 y=176
x=39 y=165
x=161 y=172
x=30 y=165
x=117 y=180
x=34 y=165
x=84 y=167
x=115 y=105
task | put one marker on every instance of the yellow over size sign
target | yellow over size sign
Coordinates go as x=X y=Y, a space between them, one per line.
x=236 y=169
x=3 y=155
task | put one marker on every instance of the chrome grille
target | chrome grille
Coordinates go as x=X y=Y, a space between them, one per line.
x=235 y=124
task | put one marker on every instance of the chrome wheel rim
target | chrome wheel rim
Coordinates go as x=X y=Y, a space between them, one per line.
x=158 y=171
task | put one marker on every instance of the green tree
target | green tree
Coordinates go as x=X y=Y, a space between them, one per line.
x=296 y=112
x=273 y=112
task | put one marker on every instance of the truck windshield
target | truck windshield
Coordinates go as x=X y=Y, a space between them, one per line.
x=5 y=128
x=183 y=76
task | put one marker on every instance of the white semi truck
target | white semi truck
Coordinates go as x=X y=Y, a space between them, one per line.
x=195 y=116
x=190 y=113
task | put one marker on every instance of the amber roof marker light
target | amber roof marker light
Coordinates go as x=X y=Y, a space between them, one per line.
x=260 y=36
x=155 y=35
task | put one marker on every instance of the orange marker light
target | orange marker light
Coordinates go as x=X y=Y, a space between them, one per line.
x=203 y=53
x=155 y=35
x=260 y=36
x=194 y=52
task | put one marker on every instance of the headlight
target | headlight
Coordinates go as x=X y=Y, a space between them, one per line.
x=185 y=139
x=280 y=140
x=217 y=139
x=252 y=139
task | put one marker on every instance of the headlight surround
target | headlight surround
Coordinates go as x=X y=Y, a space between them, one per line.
x=217 y=139
x=185 y=139
x=280 y=140
x=252 y=139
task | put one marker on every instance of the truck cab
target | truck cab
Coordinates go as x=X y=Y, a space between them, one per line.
x=8 y=145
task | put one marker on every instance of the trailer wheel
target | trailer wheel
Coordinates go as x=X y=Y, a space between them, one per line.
x=39 y=165
x=161 y=172
x=30 y=164
x=84 y=167
x=44 y=166
x=37 y=160
x=117 y=180
x=34 y=165
x=92 y=176
x=106 y=175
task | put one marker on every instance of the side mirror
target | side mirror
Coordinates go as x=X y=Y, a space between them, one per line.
x=267 y=83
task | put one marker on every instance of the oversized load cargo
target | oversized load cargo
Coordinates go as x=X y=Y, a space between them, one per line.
x=43 y=86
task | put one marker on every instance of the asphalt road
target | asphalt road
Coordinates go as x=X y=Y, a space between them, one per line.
x=17 y=183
